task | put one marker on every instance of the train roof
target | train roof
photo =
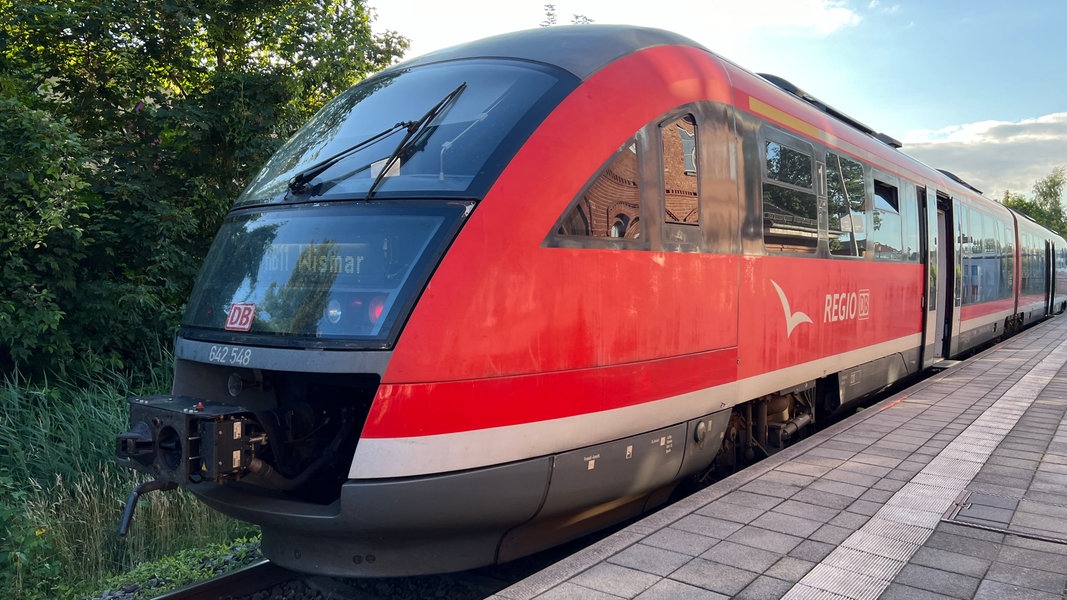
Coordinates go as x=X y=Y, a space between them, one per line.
x=584 y=49
x=580 y=49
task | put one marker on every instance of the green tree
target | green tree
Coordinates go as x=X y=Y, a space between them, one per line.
x=1046 y=204
x=44 y=197
x=164 y=111
x=552 y=18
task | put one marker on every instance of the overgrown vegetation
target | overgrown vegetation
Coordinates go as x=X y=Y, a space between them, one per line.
x=152 y=579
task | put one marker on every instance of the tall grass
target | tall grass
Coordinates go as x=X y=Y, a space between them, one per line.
x=62 y=497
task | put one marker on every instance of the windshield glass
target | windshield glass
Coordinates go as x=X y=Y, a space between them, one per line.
x=337 y=275
x=473 y=135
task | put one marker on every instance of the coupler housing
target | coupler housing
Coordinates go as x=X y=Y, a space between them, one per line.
x=186 y=440
x=180 y=440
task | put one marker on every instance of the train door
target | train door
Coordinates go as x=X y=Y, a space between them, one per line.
x=1050 y=277
x=932 y=231
x=947 y=279
x=942 y=235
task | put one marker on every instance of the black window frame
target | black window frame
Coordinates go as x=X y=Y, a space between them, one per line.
x=865 y=169
x=769 y=135
x=558 y=238
x=891 y=183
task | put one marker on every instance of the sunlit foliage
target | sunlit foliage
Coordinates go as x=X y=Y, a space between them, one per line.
x=128 y=128
x=1046 y=203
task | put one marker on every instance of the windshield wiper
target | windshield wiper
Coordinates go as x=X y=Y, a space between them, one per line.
x=415 y=129
x=299 y=183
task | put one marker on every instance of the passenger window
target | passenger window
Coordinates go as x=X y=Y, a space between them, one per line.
x=610 y=206
x=909 y=212
x=681 y=200
x=790 y=210
x=789 y=166
x=886 y=235
x=846 y=200
x=1033 y=266
x=966 y=241
x=1007 y=260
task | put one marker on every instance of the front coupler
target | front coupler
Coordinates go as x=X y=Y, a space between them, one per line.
x=181 y=440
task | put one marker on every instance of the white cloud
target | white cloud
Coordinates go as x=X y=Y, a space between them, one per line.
x=875 y=5
x=995 y=156
x=1047 y=127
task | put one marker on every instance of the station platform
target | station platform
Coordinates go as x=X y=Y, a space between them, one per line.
x=953 y=488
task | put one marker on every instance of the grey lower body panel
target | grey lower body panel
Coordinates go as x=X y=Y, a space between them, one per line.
x=463 y=520
x=862 y=380
x=390 y=528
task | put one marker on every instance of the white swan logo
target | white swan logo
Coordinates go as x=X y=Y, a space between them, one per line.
x=792 y=319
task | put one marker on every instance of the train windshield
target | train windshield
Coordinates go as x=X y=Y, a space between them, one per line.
x=336 y=275
x=456 y=152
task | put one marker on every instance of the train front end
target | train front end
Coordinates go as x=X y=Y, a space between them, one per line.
x=298 y=307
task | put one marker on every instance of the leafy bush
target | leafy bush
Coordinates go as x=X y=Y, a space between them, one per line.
x=45 y=200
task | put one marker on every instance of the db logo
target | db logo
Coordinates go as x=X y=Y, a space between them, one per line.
x=865 y=304
x=240 y=317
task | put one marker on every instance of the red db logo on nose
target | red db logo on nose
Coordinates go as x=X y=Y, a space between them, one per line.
x=240 y=317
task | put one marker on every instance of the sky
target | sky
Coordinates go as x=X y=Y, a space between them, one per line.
x=977 y=87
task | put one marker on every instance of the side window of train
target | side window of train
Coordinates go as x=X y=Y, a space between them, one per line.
x=886 y=239
x=909 y=214
x=1033 y=261
x=1006 y=256
x=967 y=237
x=680 y=194
x=790 y=209
x=846 y=202
x=987 y=275
x=609 y=207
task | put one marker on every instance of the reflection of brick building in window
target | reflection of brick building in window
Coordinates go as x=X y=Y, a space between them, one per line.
x=610 y=207
x=681 y=201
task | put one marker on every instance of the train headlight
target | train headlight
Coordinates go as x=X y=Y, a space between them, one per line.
x=333 y=312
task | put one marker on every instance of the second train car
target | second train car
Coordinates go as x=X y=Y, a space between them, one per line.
x=499 y=296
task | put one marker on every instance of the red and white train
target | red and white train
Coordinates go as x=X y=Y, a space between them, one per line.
x=499 y=296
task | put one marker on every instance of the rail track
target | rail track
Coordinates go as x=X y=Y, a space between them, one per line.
x=257 y=577
x=266 y=581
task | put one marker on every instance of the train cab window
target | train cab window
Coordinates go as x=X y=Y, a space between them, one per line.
x=790 y=209
x=680 y=194
x=609 y=207
x=886 y=237
x=846 y=201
